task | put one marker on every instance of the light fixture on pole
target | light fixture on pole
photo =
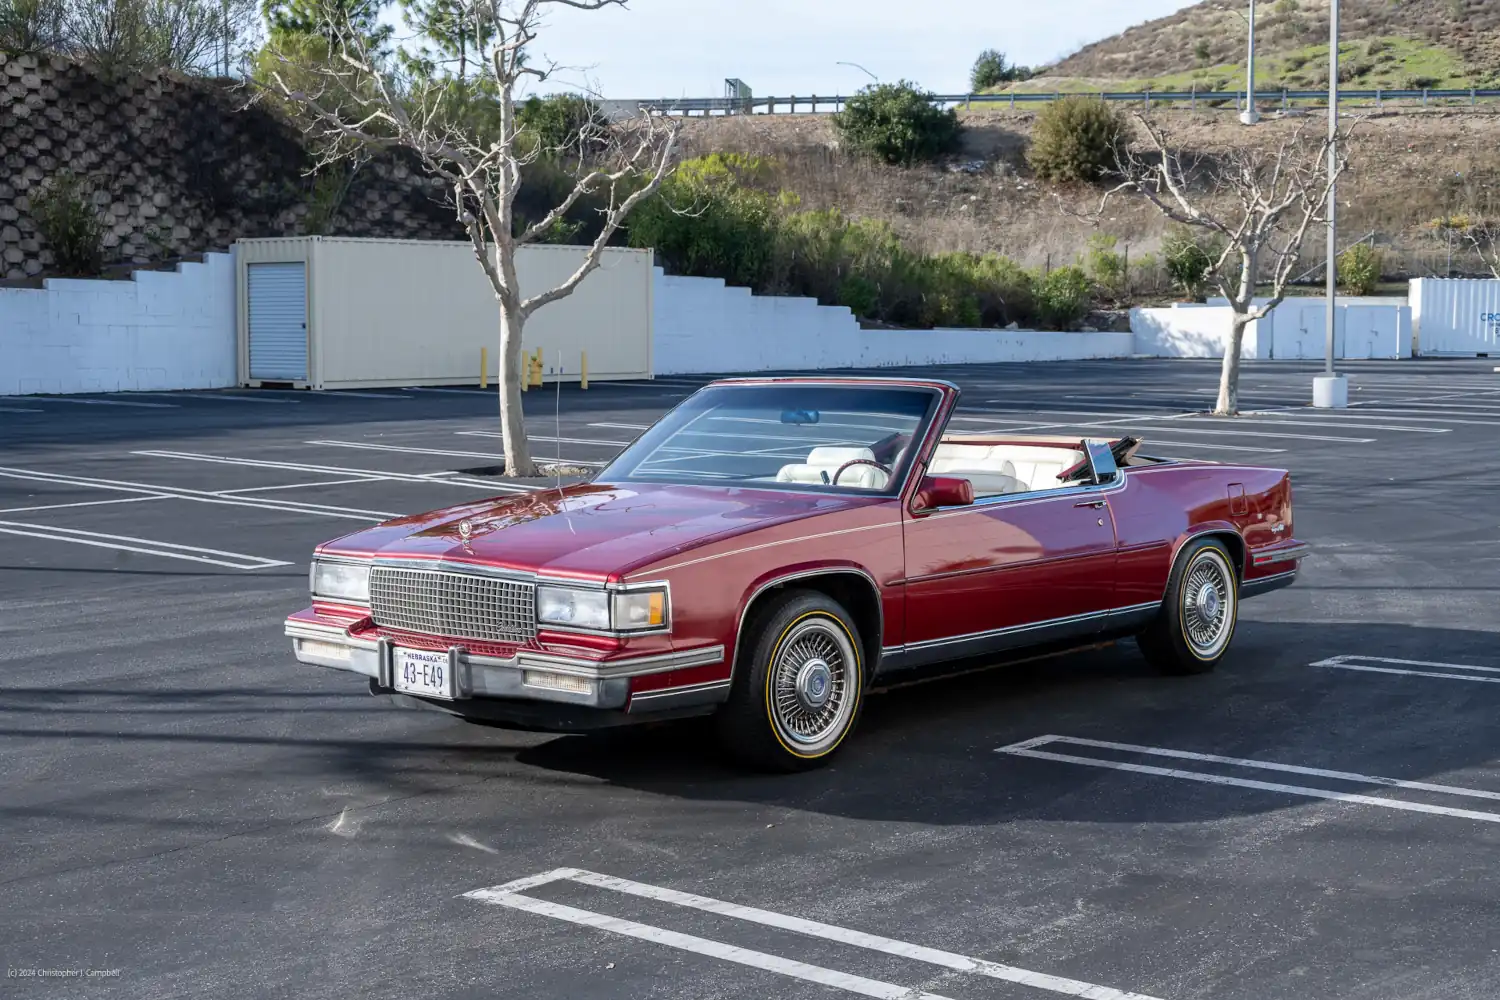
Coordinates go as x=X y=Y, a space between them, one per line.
x=857 y=66
x=1251 y=114
x=1331 y=390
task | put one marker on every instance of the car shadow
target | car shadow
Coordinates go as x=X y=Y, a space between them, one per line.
x=928 y=753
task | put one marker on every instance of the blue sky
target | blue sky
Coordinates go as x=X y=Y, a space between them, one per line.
x=674 y=48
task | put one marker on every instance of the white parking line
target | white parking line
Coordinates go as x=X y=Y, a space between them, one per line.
x=549 y=440
x=509 y=895
x=201 y=496
x=1440 y=671
x=366 y=446
x=20 y=409
x=1282 y=422
x=1152 y=442
x=104 y=402
x=224 y=397
x=369 y=474
x=1356 y=418
x=623 y=427
x=86 y=503
x=1028 y=748
x=144 y=546
x=291 y=486
x=491 y=393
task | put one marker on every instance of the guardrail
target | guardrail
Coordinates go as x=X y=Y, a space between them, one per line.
x=822 y=104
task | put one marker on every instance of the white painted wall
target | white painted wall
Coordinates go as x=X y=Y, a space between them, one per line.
x=703 y=326
x=1296 y=331
x=1456 y=316
x=160 y=330
x=1192 y=331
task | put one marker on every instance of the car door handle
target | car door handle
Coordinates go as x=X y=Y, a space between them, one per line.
x=1093 y=503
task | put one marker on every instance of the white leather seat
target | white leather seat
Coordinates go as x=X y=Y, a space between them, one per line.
x=990 y=474
x=1030 y=467
x=826 y=462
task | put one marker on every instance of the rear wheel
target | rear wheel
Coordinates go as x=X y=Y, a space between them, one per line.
x=798 y=685
x=1197 y=620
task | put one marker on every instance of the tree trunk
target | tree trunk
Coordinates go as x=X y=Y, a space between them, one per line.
x=512 y=417
x=1229 y=377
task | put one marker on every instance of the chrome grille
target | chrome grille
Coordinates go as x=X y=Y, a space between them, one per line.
x=459 y=605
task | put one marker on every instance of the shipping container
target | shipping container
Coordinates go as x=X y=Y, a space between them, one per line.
x=334 y=313
x=1456 y=316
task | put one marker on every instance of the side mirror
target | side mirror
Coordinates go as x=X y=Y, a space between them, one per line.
x=942 y=491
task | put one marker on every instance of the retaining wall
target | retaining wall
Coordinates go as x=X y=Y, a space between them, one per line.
x=159 y=330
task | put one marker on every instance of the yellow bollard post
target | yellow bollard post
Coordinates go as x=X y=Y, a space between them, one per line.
x=583 y=371
x=484 y=368
x=537 y=369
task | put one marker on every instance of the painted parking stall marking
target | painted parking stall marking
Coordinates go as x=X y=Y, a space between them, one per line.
x=1430 y=669
x=156 y=492
x=511 y=895
x=1033 y=748
x=143 y=546
x=333 y=470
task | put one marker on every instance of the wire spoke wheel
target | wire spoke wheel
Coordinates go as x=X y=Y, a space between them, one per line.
x=1208 y=604
x=813 y=687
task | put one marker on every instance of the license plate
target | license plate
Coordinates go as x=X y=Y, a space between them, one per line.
x=420 y=672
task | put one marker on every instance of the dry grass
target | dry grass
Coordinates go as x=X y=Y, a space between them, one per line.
x=1176 y=44
x=1407 y=170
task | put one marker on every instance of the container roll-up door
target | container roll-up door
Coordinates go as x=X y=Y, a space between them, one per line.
x=278 y=321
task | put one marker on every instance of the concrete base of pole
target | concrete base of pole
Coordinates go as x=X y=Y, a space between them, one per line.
x=1251 y=117
x=1330 y=392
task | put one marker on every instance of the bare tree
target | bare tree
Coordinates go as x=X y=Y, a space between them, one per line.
x=1484 y=236
x=1261 y=203
x=357 y=101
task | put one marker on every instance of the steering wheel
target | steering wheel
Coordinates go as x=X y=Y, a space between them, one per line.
x=859 y=461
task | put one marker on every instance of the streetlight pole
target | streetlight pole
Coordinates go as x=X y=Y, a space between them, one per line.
x=1331 y=390
x=1251 y=114
x=857 y=66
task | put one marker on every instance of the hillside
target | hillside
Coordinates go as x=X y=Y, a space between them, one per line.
x=1407 y=170
x=1408 y=44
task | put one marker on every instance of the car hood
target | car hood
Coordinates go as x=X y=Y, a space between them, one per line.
x=589 y=529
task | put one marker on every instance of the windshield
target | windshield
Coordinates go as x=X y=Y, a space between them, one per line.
x=840 y=438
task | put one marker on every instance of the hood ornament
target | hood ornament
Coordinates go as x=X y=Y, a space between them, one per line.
x=465 y=529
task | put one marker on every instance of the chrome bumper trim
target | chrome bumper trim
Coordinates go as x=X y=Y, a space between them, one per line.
x=1289 y=553
x=607 y=684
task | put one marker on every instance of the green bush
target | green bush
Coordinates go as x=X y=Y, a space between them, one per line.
x=721 y=216
x=706 y=222
x=1188 y=260
x=70 y=226
x=898 y=123
x=1359 y=269
x=1105 y=265
x=1063 y=298
x=560 y=121
x=990 y=70
x=1077 y=139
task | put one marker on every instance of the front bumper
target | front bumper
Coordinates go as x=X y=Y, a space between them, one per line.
x=527 y=676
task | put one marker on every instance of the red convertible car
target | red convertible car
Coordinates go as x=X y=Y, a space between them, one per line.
x=774 y=549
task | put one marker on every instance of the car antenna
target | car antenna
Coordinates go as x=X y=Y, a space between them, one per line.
x=557 y=425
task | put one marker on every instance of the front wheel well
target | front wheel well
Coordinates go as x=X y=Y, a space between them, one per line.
x=854 y=591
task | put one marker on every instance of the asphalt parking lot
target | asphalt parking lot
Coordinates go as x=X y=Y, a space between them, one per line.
x=187 y=812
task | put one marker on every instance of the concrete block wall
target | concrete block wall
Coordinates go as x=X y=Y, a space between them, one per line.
x=703 y=326
x=160 y=330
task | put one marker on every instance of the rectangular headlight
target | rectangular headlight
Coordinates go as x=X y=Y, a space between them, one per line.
x=340 y=580
x=576 y=608
x=640 y=610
